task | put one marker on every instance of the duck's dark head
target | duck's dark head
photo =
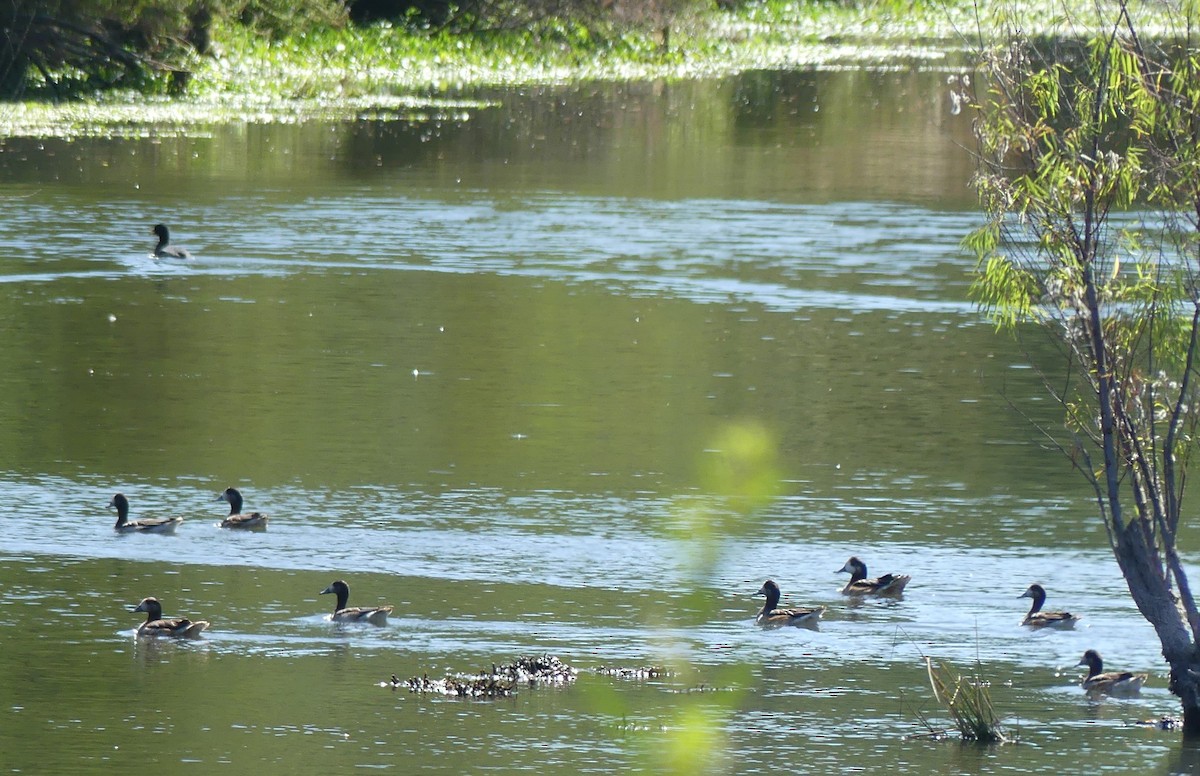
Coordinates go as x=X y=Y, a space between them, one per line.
x=161 y=232
x=337 y=588
x=769 y=588
x=341 y=590
x=151 y=607
x=121 y=504
x=1034 y=591
x=234 y=498
x=1093 y=661
x=771 y=591
x=855 y=568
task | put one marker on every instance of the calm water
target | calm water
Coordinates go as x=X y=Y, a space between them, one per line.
x=476 y=365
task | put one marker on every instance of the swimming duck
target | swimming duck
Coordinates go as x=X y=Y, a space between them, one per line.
x=163 y=525
x=375 y=615
x=770 y=617
x=252 y=521
x=1039 y=619
x=164 y=250
x=155 y=625
x=1098 y=682
x=888 y=584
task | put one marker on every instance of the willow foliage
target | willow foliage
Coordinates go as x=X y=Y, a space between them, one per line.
x=1089 y=174
x=1090 y=179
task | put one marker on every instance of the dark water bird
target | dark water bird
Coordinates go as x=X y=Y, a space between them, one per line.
x=771 y=617
x=1039 y=619
x=251 y=522
x=376 y=615
x=1100 y=682
x=164 y=250
x=888 y=584
x=155 y=625
x=162 y=525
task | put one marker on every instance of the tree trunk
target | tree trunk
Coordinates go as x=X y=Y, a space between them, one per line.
x=1184 y=683
x=1151 y=592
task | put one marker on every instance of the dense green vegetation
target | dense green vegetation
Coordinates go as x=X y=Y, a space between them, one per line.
x=66 y=46
x=74 y=46
x=327 y=47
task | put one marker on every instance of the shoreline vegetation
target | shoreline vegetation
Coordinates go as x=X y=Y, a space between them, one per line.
x=389 y=70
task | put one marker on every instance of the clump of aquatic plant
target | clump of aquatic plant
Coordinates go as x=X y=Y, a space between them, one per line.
x=501 y=682
x=1165 y=722
x=480 y=687
x=969 y=704
x=634 y=672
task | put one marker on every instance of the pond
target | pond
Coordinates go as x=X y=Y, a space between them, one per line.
x=480 y=363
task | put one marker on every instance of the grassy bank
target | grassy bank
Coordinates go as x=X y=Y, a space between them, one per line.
x=388 y=70
x=774 y=34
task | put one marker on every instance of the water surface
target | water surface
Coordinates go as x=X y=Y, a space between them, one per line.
x=476 y=367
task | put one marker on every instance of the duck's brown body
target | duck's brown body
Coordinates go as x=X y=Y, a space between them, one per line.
x=771 y=617
x=1101 y=682
x=164 y=250
x=859 y=584
x=1039 y=619
x=255 y=521
x=155 y=625
x=376 y=615
x=163 y=525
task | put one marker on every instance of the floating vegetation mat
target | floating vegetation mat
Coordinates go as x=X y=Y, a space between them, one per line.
x=1165 y=722
x=501 y=682
x=637 y=673
x=129 y=115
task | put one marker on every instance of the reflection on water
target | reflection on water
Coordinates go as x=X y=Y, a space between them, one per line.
x=473 y=369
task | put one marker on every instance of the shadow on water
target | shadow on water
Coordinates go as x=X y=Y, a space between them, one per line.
x=1185 y=759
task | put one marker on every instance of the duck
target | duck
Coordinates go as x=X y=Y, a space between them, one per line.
x=162 y=525
x=155 y=625
x=376 y=615
x=1039 y=619
x=888 y=584
x=770 y=617
x=252 y=521
x=164 y=250
x=1099 y=682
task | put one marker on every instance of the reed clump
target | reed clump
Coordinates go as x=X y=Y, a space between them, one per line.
x=969 y=704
